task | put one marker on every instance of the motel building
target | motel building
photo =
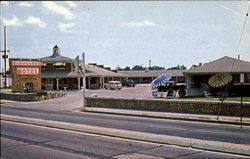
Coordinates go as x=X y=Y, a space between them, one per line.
x=197 y=78
x=57 y=72
x=60 y=72
x=147 y=76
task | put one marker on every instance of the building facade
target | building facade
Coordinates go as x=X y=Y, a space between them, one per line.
x=98 y=75
x=60 y=72
x=148 y=76
x=197 y=78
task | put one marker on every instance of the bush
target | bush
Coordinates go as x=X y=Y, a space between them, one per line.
x=42 y=93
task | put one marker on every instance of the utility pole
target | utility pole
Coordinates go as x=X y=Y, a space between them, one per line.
x=5 y=56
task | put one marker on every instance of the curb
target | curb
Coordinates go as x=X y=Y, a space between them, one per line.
x=138 y=136
x=166 y=117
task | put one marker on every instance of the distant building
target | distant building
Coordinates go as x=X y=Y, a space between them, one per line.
x=148 y=76
x=97 y=75
x=199 y=76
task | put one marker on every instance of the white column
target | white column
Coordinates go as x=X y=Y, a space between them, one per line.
x=78 y=83
x=57 y=84
x=188 y=86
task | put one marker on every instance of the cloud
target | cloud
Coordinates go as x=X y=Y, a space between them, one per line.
x=230 y=10
x=8 y=22
x=36 y=21
x=65 y=27
x=25 y=4
x=4 y=2
x=139 y=24
x=52 y=6
x=71 y=3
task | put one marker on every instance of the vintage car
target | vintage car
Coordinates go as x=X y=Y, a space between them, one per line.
x=113 y=85
x=128 y=83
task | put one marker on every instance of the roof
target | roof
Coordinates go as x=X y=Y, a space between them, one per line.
x=60 y=74
x=156 y=73
x=58 y=58
x=96 y=71
x=224 y=64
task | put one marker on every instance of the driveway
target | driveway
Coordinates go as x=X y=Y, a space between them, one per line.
x=140 y=91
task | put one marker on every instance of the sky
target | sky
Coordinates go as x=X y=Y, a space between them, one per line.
x=128 y=33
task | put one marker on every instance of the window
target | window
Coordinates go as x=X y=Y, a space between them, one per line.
x=247 y=78
x=236 y=78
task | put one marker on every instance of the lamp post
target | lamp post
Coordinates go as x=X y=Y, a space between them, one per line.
x=241 y=99
x=83 y=79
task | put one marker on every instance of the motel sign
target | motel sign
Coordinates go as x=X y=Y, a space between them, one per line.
x=27 y=71
x=26 y=75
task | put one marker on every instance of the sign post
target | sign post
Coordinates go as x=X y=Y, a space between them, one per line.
x=241 y=99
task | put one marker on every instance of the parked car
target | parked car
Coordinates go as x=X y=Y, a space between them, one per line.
x=129 y=83
x=113 y=85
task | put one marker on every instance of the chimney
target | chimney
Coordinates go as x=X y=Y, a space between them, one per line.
x=238 y=56
x=149 y=63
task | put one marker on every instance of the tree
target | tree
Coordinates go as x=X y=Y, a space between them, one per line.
x=194 y=66
x=137 y=67
x=119 y=68
x=156 y=68
x=127 y=68
x=178 y=67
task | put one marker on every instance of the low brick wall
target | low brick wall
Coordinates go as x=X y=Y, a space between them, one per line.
x=19 y=97
x=28 y=97
x=194 y=107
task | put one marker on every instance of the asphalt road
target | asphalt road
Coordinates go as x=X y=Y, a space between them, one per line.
x=22 y=141
x=197 y=130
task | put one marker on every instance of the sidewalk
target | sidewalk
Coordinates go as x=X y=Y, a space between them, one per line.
x=169 y=115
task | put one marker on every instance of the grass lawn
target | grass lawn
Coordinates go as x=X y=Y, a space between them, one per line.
x=245 y=99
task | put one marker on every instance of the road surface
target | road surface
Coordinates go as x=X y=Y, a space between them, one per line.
x=23 y=141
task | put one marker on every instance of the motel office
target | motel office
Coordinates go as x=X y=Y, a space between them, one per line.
x=57 y=72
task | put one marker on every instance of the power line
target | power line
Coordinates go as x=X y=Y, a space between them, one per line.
x=242 y=30
x=244 y=24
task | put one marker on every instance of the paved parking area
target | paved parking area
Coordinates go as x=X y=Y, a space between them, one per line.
x=140 y=91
